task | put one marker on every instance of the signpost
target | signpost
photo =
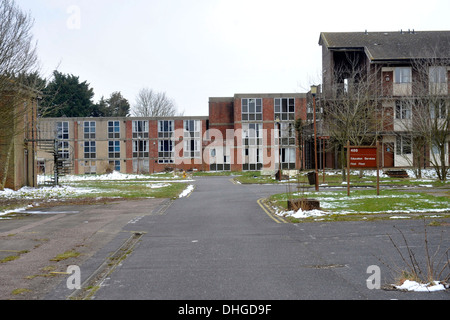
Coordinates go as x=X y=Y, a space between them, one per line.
x=363 y=157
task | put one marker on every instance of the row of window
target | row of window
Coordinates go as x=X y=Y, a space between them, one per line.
x=404 y=109
x=437 y=74
x=252 y=109
x=192 y=128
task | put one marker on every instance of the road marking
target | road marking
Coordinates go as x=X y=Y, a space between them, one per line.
x=270 y=212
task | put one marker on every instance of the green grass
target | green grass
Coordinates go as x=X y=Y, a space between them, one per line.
x=66 y=255
x=129 y=189
x=365 y=204
x=334 y=178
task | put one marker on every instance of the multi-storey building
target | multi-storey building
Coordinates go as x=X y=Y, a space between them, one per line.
x=406 y=77
x=398 y=77
x=245 y=132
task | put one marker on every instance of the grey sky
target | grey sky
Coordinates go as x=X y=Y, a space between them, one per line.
x=196 y=49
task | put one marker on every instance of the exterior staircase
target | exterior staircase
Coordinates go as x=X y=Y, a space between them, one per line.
x=62 y=166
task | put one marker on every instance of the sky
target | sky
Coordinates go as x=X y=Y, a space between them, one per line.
x=196 y=49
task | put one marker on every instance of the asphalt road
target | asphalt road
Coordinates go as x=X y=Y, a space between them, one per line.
x=219 y=244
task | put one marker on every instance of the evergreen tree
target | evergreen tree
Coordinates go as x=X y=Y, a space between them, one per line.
x=65 y=96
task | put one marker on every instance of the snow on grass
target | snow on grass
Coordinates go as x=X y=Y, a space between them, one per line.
x=28 y=193
x=70 y=187
x=105 y=177
x=157 y=185
x=300 y=214
x=409 y=285
x=44 y=193
x=398 y=205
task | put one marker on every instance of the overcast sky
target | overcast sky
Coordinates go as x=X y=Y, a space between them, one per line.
x=196 y=49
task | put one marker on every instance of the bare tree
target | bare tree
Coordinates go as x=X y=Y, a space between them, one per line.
x=427 y=119
x=17 y=58
x=17 y=49
x=153 y=104
x=350 y=107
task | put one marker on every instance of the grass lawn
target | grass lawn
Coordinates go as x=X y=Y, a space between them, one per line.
x=129 y=189
x=92 y=189
x=365 y=204
x=334 y=178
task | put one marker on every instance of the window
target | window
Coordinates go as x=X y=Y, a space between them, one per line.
x=436 y=149
x=141 y=166
x=62 y=130
x=252 y=134
x=90 y=167
x=285 y=109
x=288 y=156
x=192 y=129
x=115 y=164
x=287 y=134
x=192 y=148
x=114 y=149
x=252 y=146
x=165 y=151
x=402 y=75
x=165 y=129
x=403 y=109
x=90 y=150
x=251 y=109
x=113 y=129
x=140 y=129
x=62 y=133
x=89 y=129
x=191 y=139
x=63 y=150
x=403 y=145
x=140 y=149
x=438 y=75
x=438 y=110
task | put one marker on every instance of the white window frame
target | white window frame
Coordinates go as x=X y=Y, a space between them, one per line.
x=62 y=130
x=92 y=149
x=114 y=129
x=252 y=109
x=403 y=75
x=284 y=108
x=89 y=130
x=140 y=129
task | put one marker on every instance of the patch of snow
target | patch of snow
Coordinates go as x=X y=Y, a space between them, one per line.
x=15 y=210
x=420 y=287
x=299 y=214
x=44 y=192
x=158 y=185
x=187 y=191
x=115 y=175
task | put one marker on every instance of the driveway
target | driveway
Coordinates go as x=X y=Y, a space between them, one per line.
x=219 y=244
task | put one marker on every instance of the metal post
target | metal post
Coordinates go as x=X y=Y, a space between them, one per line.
x=315 y=139
x=378 y=168
x=348 y=168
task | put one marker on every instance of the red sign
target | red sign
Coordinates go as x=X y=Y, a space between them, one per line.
x=363 y=157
